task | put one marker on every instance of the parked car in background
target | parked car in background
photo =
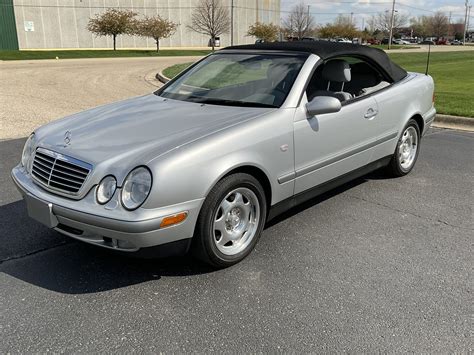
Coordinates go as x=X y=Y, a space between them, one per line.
x=231 y=142
x=427 y=42
x=457 y=43
x=399 y=41
x=442 y=42
x=373 y=41
x=343 y=40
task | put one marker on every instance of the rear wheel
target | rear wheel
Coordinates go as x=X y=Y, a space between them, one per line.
x=231 y=221
x=407 y=150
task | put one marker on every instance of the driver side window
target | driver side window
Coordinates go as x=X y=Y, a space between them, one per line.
x=345 y=78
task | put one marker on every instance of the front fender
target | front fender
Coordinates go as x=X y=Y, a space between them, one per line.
x=189 y=172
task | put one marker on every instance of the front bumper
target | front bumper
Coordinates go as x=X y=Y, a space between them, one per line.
x=128 y=235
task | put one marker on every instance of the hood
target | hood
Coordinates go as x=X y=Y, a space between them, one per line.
x=139 y=129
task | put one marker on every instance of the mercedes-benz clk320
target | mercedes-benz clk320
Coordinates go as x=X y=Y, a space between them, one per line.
x=240 y=136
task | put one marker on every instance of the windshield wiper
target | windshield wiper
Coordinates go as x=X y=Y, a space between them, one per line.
x=226 y=102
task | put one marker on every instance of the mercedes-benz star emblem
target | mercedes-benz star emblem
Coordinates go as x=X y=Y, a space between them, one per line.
x=67 y=137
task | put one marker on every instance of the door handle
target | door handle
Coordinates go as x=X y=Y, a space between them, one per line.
x=371 y=113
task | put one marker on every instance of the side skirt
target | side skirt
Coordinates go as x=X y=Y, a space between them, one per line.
x=304 y=196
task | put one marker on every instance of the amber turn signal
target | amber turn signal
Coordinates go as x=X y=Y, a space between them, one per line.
x=173 y=219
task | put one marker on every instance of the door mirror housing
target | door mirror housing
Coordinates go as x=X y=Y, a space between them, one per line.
x=323 y=104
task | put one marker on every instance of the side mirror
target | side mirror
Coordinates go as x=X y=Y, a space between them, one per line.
x=323 y=104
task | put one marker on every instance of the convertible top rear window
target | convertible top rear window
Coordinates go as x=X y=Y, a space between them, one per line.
x=238 y=79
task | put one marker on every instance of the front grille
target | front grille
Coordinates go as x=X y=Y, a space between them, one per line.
x=59 y=172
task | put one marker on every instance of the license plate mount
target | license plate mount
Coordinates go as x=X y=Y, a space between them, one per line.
x=41 y=211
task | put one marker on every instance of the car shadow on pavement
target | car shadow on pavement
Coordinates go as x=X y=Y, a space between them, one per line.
x=44 y=258
x=318 y=199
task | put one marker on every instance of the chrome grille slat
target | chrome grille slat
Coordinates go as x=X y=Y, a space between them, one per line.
x=70 y=168
x=65 y=171
x=59 y=173
x=40 y=174
x=68 y=186
x=58 y=179
x=37 y=166
x=44 y=162
x=40 y=163
x=46 y=157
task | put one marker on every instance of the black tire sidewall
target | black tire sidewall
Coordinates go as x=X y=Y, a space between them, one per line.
x=209 y=251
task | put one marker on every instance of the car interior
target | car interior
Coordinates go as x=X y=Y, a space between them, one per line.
x=345 y=79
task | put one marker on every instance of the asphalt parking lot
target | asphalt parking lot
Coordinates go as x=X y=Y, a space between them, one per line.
x=379 y=265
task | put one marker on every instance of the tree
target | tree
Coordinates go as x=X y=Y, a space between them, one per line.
x=299 y=22
x=210 y=18
x=439 y=25
x=156 y=27
x=382 y=21
x=420 y=26
x=342 y=27
x=113 y=23
x=266 y=32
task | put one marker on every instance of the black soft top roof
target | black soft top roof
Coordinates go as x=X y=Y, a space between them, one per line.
x=326 y=50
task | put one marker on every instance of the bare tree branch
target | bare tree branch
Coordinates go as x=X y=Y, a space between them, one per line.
x=299 y=22
x=210 y=18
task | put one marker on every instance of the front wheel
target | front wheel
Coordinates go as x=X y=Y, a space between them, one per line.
x=407 y=150
x=231 y=221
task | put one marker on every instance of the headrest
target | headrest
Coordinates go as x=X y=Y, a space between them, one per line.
x=337 y=70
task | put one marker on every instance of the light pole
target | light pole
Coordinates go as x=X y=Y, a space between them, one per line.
x=391 y=25
x=465 y=24
x=231 y=22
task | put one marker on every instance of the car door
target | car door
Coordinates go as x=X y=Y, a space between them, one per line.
x=333 y=144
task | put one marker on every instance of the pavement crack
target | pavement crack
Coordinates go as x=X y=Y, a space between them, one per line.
x=37 y=251
x=409 y=213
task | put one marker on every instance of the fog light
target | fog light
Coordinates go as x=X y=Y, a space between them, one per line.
x=173 y=219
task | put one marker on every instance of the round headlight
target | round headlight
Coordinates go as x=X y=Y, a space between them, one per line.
x=106 y=189
x=136 y=187
x=28 y=151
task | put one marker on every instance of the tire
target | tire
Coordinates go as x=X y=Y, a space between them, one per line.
x=406 y=152
x=231 y=221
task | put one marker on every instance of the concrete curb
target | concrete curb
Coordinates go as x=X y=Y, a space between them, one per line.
x=441 y=121
x=455 y=122
x=161 y=77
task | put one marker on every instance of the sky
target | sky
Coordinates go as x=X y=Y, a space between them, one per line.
x=325 y=11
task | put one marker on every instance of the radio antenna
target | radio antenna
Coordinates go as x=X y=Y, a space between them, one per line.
x=428 y=59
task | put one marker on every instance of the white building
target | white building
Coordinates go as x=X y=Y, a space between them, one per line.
x=62 y=23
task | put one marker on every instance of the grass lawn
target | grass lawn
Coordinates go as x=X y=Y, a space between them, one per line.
x=174 y=70
x=395 y=46
x=69 y=54
x=453 y=73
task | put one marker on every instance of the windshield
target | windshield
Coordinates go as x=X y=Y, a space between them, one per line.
x=254 y=80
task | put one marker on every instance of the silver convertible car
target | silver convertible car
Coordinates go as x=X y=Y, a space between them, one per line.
x=240 y=136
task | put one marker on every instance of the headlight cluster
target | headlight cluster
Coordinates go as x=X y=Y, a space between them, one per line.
x=27 y=152
x=135 y=189
x=106 y=189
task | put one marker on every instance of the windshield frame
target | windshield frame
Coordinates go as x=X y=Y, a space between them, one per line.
x=303 y=55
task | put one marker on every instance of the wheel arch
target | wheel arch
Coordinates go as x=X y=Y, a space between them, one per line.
x=419 y=120
x=257 y=173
